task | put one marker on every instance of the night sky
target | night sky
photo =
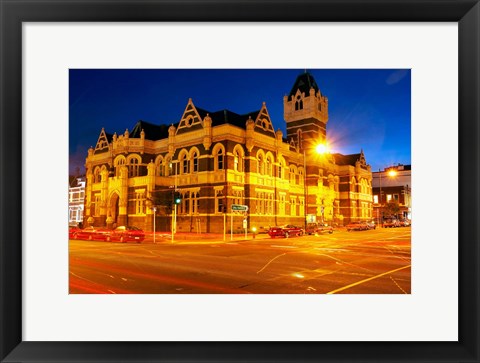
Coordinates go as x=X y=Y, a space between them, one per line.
x=369 y=109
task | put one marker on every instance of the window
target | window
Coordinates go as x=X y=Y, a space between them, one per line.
x=118 y=165
x=281 y=205
x=268 y=164
x=220 y=159
x=260 y=169
x=293 y=206
x=396 y=197
x=97 y=177
x=195 y=162
x=389 y=198
x=195 y=202
x=220 y=202
x=133 y=168
x=298 y=103
x=292 y=176
x=302 y=207
x=160 y=167
x=140 y=202
x=375 y=199
x=184 y=163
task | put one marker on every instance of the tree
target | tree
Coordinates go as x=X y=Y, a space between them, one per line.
x=391 y=208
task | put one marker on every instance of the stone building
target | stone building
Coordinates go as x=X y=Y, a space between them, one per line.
x=214 y=160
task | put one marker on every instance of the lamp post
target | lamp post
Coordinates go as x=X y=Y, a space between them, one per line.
x=154 y=209
x=305 y=189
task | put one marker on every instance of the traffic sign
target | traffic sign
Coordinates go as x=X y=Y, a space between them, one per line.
x=239 y=207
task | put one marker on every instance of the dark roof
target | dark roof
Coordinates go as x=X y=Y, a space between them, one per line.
x=227 y=117
x=346 y=159
x=304 y=82
x=157 y=132
x=109 y=137
x=152 y=132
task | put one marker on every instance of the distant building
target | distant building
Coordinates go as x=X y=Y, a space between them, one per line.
x=214 y=160
x=76 y=200
x=393 y=185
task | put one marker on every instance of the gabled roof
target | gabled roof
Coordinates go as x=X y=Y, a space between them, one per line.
x=152 y=131
x=304 y=82
x=346 y=159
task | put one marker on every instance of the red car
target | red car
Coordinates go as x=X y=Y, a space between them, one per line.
x=357 y=226
x=391 y=223
x=127 y=234
x=286 y=231
x=90 y=233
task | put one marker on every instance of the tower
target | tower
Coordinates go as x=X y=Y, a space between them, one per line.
x=305 y=111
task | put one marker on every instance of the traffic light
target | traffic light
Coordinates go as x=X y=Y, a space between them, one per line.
x=177 y=198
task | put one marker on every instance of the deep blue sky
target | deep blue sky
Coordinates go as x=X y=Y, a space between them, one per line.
x=368 y=109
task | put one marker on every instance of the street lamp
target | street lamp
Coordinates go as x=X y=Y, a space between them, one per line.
x=154 y=209
x=391 y=173
x=320 y=149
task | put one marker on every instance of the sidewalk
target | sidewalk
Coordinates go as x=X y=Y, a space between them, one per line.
x=162 y=237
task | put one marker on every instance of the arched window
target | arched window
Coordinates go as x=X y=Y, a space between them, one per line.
x=159 y=166
x=183 y=163
x=220 y=160
x=238 y=159
x=298 y=103
x=269 y=165
x=119 y=162
x=292 y=175
x=261 y=166
x=97 y=177
x=194 y=162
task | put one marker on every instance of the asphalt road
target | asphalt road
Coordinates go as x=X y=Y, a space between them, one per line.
x=357 y=262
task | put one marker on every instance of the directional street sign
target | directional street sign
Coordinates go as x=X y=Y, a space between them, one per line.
x=239 y=208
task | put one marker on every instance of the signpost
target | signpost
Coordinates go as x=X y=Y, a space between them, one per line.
x=237 y=208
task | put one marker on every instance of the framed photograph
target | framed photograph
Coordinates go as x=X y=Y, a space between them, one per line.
x=73 y=71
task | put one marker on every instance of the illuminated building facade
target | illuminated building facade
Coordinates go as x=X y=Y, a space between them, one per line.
x=218 y=159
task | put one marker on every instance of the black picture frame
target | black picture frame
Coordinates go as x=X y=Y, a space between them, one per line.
x=14 y=12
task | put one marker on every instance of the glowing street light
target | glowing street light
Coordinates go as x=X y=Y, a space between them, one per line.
x=321 y=149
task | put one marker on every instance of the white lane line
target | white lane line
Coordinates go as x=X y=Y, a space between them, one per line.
x=366 y=280
x=395 y=282
x=269 y=262
x=113 y=292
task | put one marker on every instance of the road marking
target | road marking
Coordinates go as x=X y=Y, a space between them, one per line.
x=113 y=292
x=279 y=246
x=269 y=262
x=366 y=280
x=395 y=282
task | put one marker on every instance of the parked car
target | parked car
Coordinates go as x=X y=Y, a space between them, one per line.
x=404 y=223
x=286 y=231
x=371 y=225
x=357 y=226
x=90 y=233
x=71 y=231
x=127 y=234
x=391 y=223
x=318 y=228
